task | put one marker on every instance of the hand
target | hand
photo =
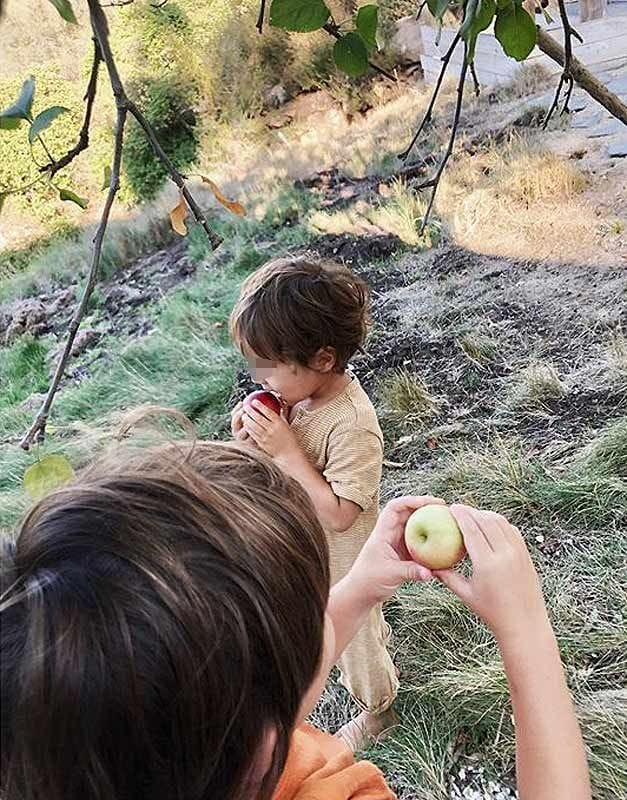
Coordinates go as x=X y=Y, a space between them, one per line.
x=270 y=431
x=384 y=563
x=504 y=589
x=237 y=424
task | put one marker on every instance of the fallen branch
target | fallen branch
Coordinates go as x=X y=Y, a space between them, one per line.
x=583 y=77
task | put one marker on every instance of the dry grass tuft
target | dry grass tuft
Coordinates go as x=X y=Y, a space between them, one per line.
x=535 y=388
x=406 y=399
x=480 y=349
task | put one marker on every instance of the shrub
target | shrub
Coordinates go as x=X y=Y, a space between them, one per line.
x=167 y=104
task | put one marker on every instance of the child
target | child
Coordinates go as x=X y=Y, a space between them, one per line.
x=298 y=322
x=166 y=627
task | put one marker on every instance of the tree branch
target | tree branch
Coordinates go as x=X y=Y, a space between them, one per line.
x=261 y=17
x=434 y=182
x=566 y=78
x=102 y=51
x=38 y=429
x=429 y=112
x=332 y=29
x=583 y=77
x=176 y=176
x=83 y=136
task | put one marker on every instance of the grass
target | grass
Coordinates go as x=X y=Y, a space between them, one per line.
x=535 y=389
x=454 y=701
x=406 y=399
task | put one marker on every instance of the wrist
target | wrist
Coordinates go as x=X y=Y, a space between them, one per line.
x=526 y=641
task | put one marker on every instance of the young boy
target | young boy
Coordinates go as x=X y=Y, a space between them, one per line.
x=298 y=321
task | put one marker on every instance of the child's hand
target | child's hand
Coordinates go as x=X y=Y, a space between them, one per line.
x=270 y=431
x=384 y=563
x=504 y=589
x=237 y=424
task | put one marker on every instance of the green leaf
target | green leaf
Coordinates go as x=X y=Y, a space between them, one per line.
x=300 y=16
x=437 y=8
x=106 y=177
x=366 y=24
x=10 y=118
x=350 y=55
x=43 y=120
x=48 y=474
x=64 y=7
x=516 y=31
x=484 y=14
x=66 y=194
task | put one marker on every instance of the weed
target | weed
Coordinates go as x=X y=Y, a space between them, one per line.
x=479 y=348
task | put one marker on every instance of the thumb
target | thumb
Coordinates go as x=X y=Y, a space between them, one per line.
x=411 y=571
x=455 y=582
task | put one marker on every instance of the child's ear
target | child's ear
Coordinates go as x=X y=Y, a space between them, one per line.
x=324 y=360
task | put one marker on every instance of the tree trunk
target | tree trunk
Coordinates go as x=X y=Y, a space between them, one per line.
x=582 y=76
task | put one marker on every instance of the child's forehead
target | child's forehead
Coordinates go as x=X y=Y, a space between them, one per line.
x=254 y=359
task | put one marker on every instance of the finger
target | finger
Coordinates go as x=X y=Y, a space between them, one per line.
x=415 y=572
x=456 y=583
x=264 y=411
x=253 y=428
x=477 y=545
x=251 y=415
x=412 y=502
x=488 y=521
x=242 y=435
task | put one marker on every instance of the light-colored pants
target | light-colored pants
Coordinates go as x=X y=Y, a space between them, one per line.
x=366 y=668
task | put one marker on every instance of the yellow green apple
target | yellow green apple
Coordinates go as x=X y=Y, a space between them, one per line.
x=433 y=537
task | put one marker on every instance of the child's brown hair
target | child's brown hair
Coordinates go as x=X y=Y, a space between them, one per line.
x=291 y=308
x=162 y=615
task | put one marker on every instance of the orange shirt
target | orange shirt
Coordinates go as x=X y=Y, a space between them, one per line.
x=321 y=767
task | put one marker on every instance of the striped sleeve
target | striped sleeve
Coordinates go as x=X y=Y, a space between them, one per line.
x=354 y=463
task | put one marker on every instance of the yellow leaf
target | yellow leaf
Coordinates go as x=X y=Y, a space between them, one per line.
x=44 y=476
x=233 y=205
x=178 y=215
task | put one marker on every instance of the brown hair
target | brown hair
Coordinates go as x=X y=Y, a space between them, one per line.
x=162 y=617
x=292 y=307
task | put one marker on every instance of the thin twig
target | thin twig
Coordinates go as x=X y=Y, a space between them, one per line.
x=332 y=29
x=435 y=181
x=176 y=176
x=261 y=17
x=83 y=136
x=38 y=429
x=475 y=79
x=421 y=8
x=566 y=78
x=429 y=112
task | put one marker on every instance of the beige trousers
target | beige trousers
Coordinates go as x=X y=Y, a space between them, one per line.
x=366 y=668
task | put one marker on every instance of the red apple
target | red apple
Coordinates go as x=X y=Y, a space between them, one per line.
x=433 y=537
x=267 y=398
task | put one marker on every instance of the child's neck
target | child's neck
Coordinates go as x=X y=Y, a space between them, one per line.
x=331 y=385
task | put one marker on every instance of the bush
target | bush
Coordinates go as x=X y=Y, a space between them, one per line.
x=167 y=104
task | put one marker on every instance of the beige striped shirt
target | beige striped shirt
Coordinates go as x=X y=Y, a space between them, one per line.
x=344 y=442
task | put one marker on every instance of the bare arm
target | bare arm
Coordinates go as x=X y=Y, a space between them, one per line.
x=335 y=513
x=505 y=592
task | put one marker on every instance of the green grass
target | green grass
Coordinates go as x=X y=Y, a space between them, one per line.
x=23 y=370
x=406 y=400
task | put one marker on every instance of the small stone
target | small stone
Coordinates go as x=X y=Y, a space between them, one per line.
x=540 y=538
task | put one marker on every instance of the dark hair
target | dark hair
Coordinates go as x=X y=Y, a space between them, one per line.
x=163 y=615
x=292 y=307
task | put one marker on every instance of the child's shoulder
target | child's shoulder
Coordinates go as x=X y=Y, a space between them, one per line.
x=354 y=408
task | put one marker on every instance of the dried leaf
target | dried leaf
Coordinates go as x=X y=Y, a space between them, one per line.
x=233 y=205
x=44 y=476
x=178 y=215
x=431 y=443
